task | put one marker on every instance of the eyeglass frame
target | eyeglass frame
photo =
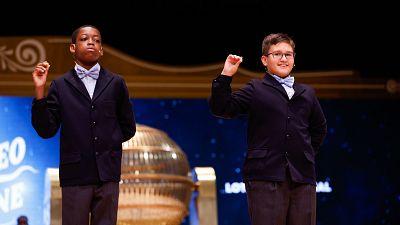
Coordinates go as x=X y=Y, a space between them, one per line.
x=282 y=54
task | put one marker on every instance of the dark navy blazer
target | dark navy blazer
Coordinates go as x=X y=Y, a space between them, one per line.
x=282 y=133
x=92 y=130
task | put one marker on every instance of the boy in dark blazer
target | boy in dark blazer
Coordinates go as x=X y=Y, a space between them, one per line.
x=93 y=109
x=286 y=126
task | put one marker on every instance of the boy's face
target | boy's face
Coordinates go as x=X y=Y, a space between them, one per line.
x=87 y=49
x=280 y=60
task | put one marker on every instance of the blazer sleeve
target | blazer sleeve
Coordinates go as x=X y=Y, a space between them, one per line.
x=125 y=114
x=227 y=104
x=318 y=125
x=45 y=113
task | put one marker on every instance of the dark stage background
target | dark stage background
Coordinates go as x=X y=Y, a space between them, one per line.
x=333 y=35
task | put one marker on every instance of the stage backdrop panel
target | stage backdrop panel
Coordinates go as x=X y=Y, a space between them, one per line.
x=24 y=158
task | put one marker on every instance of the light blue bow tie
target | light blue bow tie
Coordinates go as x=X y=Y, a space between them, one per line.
x=288 y=81
x=93 y=73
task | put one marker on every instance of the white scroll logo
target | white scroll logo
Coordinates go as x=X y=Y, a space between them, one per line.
x=12 y=154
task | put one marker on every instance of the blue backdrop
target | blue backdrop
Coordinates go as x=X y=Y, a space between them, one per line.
x=357 y=166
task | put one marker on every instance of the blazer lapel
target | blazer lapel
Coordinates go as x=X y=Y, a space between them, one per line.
x=101 y=83
x=298 y=89
x=72 y=78
x=270 y=81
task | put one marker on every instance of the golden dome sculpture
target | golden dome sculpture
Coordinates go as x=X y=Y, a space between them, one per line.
x=156 y=183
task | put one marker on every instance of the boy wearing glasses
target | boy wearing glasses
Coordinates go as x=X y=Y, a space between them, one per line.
x=286 y=126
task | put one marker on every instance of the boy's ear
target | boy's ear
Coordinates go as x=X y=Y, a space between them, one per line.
x=72 y=48
x=101 y=51
x=264 y=60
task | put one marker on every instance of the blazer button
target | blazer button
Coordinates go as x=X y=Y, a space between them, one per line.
x=287 y=135
x=96 y=138
x=92 y=106
x=97 y=153
x=93 y=123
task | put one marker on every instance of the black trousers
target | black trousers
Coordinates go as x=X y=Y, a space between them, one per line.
x=91 y=204
x=281 y=203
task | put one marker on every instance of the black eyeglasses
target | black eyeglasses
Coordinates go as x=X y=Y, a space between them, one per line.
x=279 y=55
